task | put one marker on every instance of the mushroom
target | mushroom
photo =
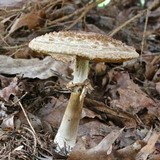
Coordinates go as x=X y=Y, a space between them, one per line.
x=84 y=46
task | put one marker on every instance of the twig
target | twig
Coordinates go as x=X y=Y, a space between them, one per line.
x=76 y=12
x=66 y=17
x=2 y=38
x=15 y=47
x=16 y=17
x=51 y=4
x=34 y=137
x=26 y=116
x=30 y=124
x=24 y=112
x=154 y=5
x=144 y=34
x=86 y=9
x=126 y=23
x=18 y=100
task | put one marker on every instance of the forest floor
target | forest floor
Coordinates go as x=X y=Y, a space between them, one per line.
x=121 y=114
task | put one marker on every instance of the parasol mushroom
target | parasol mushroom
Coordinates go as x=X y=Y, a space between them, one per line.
x=84 y=46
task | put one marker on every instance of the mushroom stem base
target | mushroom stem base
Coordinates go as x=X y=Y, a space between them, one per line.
x=67 y=132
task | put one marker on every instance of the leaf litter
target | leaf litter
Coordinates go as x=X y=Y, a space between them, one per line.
x=120 y=119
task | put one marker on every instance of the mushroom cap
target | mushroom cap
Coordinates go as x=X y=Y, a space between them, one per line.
x=86 y=45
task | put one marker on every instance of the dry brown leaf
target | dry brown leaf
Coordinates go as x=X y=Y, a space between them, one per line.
x=93 y=28
x=131 y=97
x=149 y=148
x=86 y=113
x=118 y=117
x=32 y=20
x=93 y=132
x=11 y=3
x=53 y=112
x=3 y=111
x=33 y=68
x=12 y=89
x=101 y=152
x=152 y=65
x=129 y=152
x=5 y=81
x=35 y=121
x=8 y=123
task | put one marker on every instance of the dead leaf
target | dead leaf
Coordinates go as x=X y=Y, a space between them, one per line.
x=11 y=3
x=86 y=113
x=5 y=81
x=3 y=110
x=93 y=28
x=44 y=157
x=91 y=133
x=131 y=98
x=33 y=68
x=129 y=152
x=12 y=89
x=18 y=148
x=101 y=152
x=35 y=121
x=149 y=148
x=31 y=20
x=118 y=117
x=8 y=123
x=152 y=64
x=53 y=112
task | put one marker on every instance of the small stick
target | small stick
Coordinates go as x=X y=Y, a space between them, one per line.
x=126 y=23
x=86 y=9
x=153 y=6
x=15 y=47
x=66 y=17
x=25 y=114
x=34 y=137
x=144 y=34
x=81 y=10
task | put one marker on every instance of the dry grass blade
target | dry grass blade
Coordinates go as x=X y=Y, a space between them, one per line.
x=149 y=148
x=83 y=10
x=36 y=139
x=44 y=157
x=126 y=23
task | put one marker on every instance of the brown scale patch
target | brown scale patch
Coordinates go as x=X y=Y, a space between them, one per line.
x=89 y=36
x=112 y=55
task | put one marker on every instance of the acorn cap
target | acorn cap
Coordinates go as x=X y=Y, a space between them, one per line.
x=86 y=45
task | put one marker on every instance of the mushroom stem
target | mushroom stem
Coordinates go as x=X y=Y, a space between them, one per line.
x=67 y=132
x=81 y=70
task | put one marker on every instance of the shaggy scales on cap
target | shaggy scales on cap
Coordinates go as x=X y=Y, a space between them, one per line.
x=88 y=45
